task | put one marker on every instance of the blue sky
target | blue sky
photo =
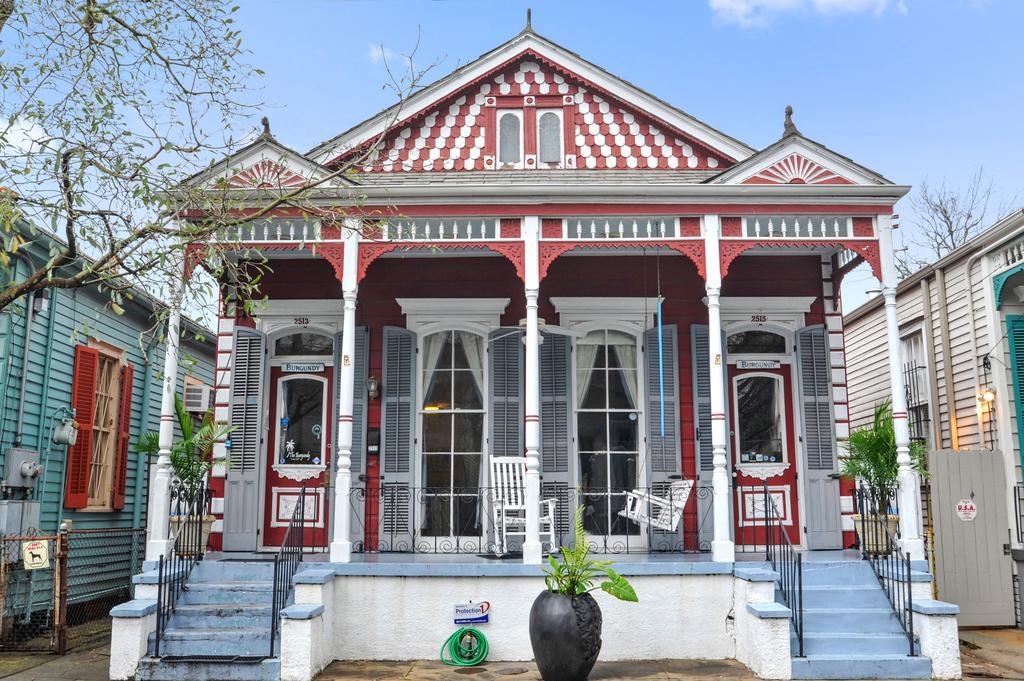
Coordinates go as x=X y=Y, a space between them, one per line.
x=913 y=89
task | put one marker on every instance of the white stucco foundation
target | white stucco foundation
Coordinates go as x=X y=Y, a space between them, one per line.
x=935 y=624
x=129 y=636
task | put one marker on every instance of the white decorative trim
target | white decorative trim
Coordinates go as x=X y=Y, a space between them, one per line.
x=609 y=312
x=762 y=471
x=297 y=472
x=752 y=506
x=423 y=312
x=770 y=304
x=315 y=497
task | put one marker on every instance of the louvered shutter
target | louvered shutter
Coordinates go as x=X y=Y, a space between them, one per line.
x=398 y=423
x=124 y=429
x=555 y=429
x=505 y=360
x=360 y=368
x=83 y=400
x=701 y=358
x=815 y=393
x=241 y=495
x=664 y=456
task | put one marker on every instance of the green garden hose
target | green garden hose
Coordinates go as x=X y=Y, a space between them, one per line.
x=467 y=647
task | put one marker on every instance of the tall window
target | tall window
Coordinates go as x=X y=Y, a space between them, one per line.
x=608 y=428
x=106 y=408
x=304 y=411
x=549 y=138
x=510 y=138
x=915 y=376
x=453 y=433
x=759 y=419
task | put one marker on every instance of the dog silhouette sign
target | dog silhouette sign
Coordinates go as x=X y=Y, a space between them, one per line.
x=35 y=554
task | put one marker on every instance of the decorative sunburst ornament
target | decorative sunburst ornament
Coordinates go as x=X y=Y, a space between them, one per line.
x=796 y=169
x=265 y=174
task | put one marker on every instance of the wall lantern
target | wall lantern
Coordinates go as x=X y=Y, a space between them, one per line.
x=988 y=395
x=372 y=388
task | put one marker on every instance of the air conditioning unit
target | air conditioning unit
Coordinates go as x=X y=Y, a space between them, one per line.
x=197 y=398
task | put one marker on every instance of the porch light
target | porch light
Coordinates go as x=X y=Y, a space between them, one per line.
x=988 y=395
x=372 y=387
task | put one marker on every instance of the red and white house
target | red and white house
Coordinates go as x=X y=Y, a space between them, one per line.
x=544 y=262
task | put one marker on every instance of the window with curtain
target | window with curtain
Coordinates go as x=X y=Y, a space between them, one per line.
x=510 y=138
x=608 y=428
x=304 y=408
x=759 y=419
x=549 y=138
x=453 y=433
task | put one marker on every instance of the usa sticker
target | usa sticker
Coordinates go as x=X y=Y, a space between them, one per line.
x=473 y=613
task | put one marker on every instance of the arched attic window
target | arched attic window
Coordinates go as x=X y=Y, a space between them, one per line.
x=510 y=138
x=549 y=138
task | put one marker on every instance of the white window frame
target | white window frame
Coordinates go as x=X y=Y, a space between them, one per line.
x=518 y=113
x=741 y=465
x=907 y=332
x=293 y=471
x=561 y=138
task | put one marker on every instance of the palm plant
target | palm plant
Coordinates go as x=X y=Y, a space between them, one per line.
x=575 y=574
x=191 y=458
x=872 y=457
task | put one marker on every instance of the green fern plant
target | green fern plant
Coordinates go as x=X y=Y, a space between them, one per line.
x=190 y=456
x=576 y=572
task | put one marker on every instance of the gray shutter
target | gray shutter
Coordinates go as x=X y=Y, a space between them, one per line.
x=816 y=398
x=505 y=360
x=663 y=452
x=241 y=496
x=701 y=357
x=360 y=363
x=398 y=423
x=555 y=429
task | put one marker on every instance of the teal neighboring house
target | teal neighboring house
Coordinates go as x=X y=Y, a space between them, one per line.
x=101 y=370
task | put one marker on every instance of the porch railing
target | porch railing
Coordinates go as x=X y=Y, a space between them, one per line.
x=787 y=562
x=879 y=546
x=188 y=508
x=286 y=563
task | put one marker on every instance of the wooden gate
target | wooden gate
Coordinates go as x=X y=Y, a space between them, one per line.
x=972 y=533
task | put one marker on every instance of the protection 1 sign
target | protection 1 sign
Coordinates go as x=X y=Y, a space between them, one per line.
x=35 y=554
x=967 y=510
x=473 y=613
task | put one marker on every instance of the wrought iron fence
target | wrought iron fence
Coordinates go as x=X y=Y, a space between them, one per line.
x=877 y=533
x=189 y=513
x=286 y=562
x=787 y=562
x=57 y=590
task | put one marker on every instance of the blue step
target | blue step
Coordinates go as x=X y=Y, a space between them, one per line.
x=845 y=596
x=861 y=666
x=849 y=573
x=222 y=571
x=839 y=620
x=245 y=642
x=241 y=592
x=846 y=643
x=222 y=616
x=152 y=669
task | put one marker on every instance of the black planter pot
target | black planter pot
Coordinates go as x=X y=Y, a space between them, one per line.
x=565 y=632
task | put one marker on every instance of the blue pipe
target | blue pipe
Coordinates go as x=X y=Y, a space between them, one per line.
x=661 y=366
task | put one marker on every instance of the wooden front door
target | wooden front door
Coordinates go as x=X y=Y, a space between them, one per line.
x=298 y=452
x=761 y=432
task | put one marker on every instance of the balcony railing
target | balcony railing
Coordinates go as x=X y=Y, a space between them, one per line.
x=623 y=227
x=432 y=229
x=797 y=227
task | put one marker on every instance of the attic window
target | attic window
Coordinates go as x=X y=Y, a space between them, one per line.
x=510 y=139
x=549 y=138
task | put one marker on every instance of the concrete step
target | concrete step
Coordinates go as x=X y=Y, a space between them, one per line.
x=845 y=596
x=845 y=643
x=227 y=669
x=240 y=593
x=220 y=616
x=245 y=642
x=233 y=571
x=851 y=620
x=847 y=573
x=867 y=666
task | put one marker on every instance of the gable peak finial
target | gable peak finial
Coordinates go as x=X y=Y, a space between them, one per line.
x=265 y=122
x=529 y=19
x=789 y=128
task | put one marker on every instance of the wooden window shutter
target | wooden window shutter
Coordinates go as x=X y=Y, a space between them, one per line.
x=124 y=432
x=83 y=398
x=505 y=355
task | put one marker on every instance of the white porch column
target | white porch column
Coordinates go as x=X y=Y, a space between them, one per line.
x=341 y=541
x=159 y=542
x=722 y=547
x=909 y=485
x=531 y=545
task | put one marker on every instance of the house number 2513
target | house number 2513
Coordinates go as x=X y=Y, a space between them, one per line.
x=301 y=321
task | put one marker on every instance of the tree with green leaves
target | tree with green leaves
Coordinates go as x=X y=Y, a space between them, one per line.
x=191 y=457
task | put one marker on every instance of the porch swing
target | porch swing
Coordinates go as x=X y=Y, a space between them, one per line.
x=643 y=507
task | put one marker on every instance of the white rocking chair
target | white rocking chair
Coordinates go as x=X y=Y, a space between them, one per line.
x=661 y=513
x=508 y=507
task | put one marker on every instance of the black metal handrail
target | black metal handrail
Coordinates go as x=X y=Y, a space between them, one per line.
x=286 y=563
x=891 y=565
x=788 y=563
x=189 y=507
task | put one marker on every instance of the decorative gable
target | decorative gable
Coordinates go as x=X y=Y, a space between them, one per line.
x=598 y=130
x=796 y=169
x=266 y=174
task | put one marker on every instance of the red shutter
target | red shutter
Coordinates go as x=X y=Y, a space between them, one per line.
x=83 y=399
x=124 y=433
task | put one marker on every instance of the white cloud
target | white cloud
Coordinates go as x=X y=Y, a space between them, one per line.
x=379 y=53
x=748 y=13
x=23 y=137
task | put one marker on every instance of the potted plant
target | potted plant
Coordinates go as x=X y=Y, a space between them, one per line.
x=191 y=462
x=872 y=461
x=565 y=620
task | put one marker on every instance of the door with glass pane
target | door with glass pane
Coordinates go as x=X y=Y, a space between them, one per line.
x=608 y=435
x=762 y=439
x=450 y=502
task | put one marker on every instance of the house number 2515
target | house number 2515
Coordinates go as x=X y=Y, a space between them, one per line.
x=759 y=318
x=301 y=321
